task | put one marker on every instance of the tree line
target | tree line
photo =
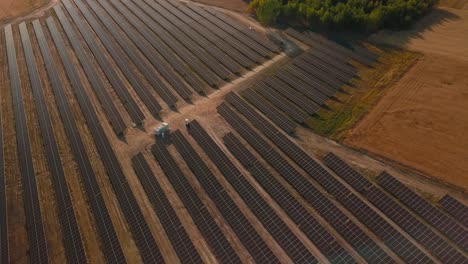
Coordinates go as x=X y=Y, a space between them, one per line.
x=359 y=15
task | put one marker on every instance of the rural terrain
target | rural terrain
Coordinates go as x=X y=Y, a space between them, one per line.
x=165 y=131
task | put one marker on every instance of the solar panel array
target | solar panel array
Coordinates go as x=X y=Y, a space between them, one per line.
x=353 y=203
x=117 y=83
x=109 y=242
x=179 y=238
x=124 y=49
x=302 y=87
x=247 y=234
x=455 y=208
x=202 y=218
x=97 y=83
x=138 y=226
x=259 y=206
x=440 y=221
x=401 y=216
x=34 y=224
x=71 y=235
x=342 y=224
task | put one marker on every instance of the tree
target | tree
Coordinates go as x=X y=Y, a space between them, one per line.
x=267 y=10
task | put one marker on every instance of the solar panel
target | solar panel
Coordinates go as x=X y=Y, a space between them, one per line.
x=453 y=230
x=114 y=117
x=260 y=207
x=73 y=245
x=37 y=242
x=146 y=244
x=328 y=210
x=458 y=210
x=108 y=237
x=367 y=215
x=346 y=172
x=228 y=208
x=175 y=231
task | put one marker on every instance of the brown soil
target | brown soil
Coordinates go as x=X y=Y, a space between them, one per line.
x=235 y=5
x=421 y=121
x=460 y=4
x=17 y=10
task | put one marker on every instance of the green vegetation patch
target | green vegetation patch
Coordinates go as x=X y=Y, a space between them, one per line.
x=360 y=15
x=356 y=100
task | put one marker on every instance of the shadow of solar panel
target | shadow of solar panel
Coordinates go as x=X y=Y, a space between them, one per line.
x=455 y=208
x=174 y=229
x=443 y=223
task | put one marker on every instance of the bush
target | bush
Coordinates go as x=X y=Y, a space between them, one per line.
x=362 y=15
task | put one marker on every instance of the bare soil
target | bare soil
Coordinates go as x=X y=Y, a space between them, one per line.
x=235 y=5
x=421 y=121
x=18 y=10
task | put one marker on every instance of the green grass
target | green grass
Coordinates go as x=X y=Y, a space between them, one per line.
x=356 y=100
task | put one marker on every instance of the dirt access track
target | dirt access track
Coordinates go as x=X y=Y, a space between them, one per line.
x=422 y=121
x=16 y=10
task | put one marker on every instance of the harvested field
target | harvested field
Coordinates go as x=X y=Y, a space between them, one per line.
x=422 y=121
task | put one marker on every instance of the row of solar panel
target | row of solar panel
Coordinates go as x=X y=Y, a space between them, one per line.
x=202 y=218
x=243 y=228
x=166 y=214
x=71 y=236
x=299 y=89
x=317 y=200
x=400 y=215
x=297 y=251
x=169 y=49
x=34 y=222
x=138 y=226
x=368 y=216
x=111 y=247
